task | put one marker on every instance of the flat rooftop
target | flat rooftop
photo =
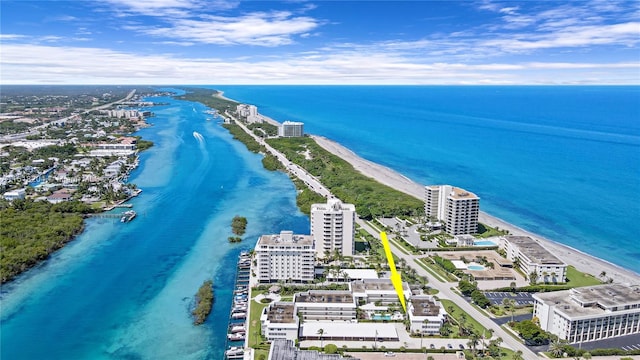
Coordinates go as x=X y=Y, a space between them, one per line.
x=348 y=331
x=592 y=300
x=278 y=239
x=372 y=285
x=458 y=193
x=423 y=306
x=534 y=251
x=281 y=313
x=327 y=297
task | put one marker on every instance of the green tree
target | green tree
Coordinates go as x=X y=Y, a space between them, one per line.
x=557 y=348
x=330 y=349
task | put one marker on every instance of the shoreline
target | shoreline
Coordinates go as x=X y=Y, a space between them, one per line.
x=582 y=261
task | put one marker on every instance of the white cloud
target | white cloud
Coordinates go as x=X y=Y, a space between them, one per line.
x=77 y=65
x=625 y=34
x=164 y=8
x=259 y=29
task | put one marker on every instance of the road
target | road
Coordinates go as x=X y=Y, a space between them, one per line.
x=444 y=288
x=445 y=292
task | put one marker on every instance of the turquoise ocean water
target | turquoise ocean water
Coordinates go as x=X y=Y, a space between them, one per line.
x=560 y=161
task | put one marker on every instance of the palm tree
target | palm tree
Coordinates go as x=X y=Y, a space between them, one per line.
x=509 y=304
x=474 y=339
x=321 y=332
x=517 y=355
x=557 y=348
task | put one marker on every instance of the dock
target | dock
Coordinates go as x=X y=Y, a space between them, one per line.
x=237 y=329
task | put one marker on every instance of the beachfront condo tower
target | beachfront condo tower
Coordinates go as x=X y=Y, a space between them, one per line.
x=456 y=207
x=285 y=256
x=291 y=129
x=333 y=227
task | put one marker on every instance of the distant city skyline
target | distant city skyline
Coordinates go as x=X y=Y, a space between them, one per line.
x=320 y=42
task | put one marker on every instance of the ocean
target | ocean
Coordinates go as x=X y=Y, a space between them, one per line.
x=559 y=161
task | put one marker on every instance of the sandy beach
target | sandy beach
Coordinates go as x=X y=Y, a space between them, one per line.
x=582 y=261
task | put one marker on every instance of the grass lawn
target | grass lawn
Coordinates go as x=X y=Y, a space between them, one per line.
x=437 y=269
x=435 y=274
x=456 y=315
x=255 y=337
x=578 y=279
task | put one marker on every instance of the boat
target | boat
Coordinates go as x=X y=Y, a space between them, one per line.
x=234 y=350
x=240 y=315
x=236 y=336
x=128 y=216
x=237 y=328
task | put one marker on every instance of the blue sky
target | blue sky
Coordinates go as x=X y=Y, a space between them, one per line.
x=319 y=42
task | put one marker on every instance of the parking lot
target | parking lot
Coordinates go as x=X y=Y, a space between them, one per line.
x=521 y=298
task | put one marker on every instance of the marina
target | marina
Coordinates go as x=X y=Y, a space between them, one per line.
x=237 y=327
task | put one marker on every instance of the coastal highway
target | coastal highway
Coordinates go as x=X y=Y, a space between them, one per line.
x=445 y=292
x=297 y=171
x=444 y=288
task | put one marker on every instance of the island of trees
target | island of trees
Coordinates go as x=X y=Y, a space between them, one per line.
x=204 y=303
x=238 y=227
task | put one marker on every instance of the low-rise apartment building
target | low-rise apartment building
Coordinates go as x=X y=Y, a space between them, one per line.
x=376 y=290
x=533 y=258
x=426 y=315
x=590 y=313
x=325 y=305
x=279 y=321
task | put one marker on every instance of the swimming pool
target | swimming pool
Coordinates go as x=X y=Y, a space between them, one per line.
x=484 y=243
x=381 y=317
x=476 y=267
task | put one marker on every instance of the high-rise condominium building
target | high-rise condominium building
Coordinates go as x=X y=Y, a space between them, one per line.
x=291 y=129
x=332 y=227
x=285 y=256
x=457 y=207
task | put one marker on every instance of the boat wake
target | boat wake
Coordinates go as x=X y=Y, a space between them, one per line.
x=198 y=137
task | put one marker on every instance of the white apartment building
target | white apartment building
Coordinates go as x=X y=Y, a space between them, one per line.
x=426 y=315
x=374 y=290
x=285 y=256
x=291 y=129
x=325 y=305
x=533 y=257
x=279 y=321
x=590 y=313
x=456 y=207
x=250 y=112
x=333 y=227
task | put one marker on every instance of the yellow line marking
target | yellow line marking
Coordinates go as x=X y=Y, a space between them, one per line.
x=396 y=278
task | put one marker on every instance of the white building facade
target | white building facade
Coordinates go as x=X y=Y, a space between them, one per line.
x=590 y=313
x=533 y=258
x=456 y=207
x=426 y=315
x=291 y=129
x=279 y=321
x=285 y=257
x=333 y=227
x=325 y=305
